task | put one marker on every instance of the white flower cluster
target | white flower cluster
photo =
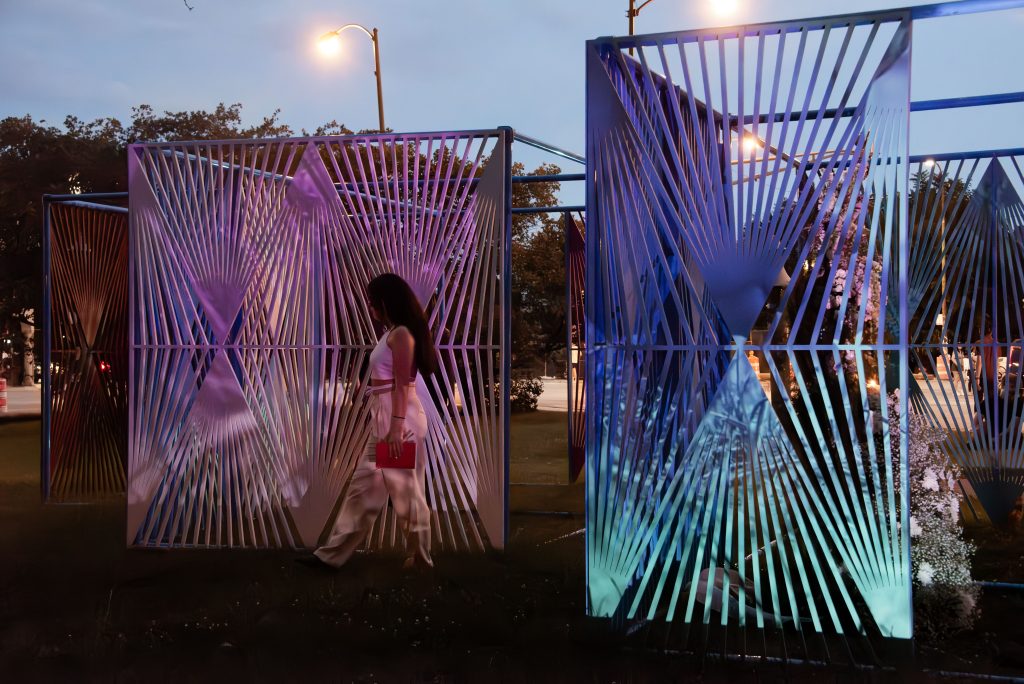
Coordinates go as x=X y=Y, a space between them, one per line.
x=945 y=598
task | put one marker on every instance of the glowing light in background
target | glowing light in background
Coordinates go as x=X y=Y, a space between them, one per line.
x=329 y=44
x=725 y=8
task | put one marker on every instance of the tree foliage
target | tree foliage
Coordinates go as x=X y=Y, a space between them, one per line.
x=37 y=158
x=538 y=272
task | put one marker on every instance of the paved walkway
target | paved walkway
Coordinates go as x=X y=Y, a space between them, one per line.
x=22 y=402
x=555 y=395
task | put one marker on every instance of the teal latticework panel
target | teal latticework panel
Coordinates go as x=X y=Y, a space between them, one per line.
x=745 y=441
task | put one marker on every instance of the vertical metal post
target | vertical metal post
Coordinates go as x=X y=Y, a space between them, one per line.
x=506 y=317
x=590 y=269
x=134 y=178
x=631 y=13
x=903 y=266
x=47 y=398
x=566 y=217
x=942 y=229
x=993 y=354
x=380 y=91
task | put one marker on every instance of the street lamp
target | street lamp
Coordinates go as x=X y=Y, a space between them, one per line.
x=932 y=167
x=330 y=43
x=723 y=8
x=633 y=12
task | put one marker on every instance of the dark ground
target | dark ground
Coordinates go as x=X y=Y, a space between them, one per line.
x=76 y=605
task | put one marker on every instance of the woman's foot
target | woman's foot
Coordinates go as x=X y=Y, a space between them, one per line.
x=311 y=560
x=417 y=563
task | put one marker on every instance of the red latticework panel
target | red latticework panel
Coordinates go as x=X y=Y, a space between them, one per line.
x=88 y=427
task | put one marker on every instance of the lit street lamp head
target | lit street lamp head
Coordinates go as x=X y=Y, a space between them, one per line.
x=725 y=8
x=329 y=43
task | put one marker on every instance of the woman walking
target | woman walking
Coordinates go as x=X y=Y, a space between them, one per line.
x=405 y=349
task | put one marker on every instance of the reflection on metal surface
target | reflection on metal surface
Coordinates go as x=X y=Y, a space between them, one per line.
x=744 y=302
x=250 y=331
x=966 y=301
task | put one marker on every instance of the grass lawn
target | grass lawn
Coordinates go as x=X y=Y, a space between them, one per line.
x=77 y=605
x=538 y=447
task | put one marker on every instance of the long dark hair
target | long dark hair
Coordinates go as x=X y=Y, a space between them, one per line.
x=396 y=301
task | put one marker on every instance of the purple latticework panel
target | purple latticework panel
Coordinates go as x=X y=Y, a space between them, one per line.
x=576 y=379
x=88 y=386
x=250 y=331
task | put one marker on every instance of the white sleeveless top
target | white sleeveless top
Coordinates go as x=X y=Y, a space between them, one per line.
x=382 y=360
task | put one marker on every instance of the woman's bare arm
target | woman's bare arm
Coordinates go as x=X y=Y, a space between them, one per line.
x=402 y=346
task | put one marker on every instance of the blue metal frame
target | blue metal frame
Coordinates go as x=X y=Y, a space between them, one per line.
x=507 y=136
x=655 y=474
x=915 y=12
x=601 y=425
x=553 y=149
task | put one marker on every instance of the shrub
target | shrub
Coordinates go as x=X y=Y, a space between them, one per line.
x=524 y=393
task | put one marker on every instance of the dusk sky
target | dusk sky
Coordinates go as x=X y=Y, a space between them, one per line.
x=446 y=65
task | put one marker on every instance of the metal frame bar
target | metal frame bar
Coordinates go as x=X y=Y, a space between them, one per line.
x=932 y=11
x=553 y=149
x=548 y=210
x=916 y=106
x=507 y=137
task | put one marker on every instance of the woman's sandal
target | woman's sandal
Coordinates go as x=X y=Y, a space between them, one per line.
x=416 y=563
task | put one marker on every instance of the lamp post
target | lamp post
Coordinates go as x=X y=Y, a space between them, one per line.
x=329 y=43
x=723 y=8
x=932 y=167
x=632 y=13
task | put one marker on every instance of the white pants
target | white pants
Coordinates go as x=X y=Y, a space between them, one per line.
x=370 y=488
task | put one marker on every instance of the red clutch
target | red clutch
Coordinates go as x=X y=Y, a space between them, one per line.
x=406 y=458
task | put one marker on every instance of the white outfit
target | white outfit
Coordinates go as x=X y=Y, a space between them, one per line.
x=370 y=486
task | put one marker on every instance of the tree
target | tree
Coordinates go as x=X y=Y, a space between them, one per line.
x=81 y=157
x=538 y=271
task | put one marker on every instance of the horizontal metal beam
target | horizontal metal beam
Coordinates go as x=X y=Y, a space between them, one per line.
x=547 y=210
x=916 y=106
x=931 y=11
x=86 y=196
x=969 y=101
x=541 y=145
x=975 y=154
x=93 y=205
x=353 y=137
x=953 y=9
x=553 y=178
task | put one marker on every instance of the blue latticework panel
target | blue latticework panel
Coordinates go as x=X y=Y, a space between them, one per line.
x=966 y=297
x=746 y=205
